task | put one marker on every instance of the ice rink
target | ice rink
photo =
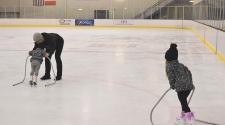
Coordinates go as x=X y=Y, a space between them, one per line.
x=111 y=76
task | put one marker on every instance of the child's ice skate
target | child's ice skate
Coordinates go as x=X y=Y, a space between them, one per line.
x=180 y=120
x=34 y=83
x=189 y=118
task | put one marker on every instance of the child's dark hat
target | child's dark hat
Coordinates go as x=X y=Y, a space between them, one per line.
x=172 y=52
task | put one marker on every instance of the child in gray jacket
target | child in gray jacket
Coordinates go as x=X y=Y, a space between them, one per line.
x=36 y=61
x=180 y=79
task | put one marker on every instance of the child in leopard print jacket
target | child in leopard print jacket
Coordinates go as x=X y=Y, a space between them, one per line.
x=180 y=79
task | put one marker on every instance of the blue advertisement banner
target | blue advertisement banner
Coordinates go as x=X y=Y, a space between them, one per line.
x=84 y=22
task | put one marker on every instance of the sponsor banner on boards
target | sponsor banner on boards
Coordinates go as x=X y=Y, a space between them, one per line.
x=123 y=22
x=84 y=22
x=67 y=21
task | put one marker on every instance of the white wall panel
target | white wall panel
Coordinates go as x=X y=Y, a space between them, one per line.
x=68 y=8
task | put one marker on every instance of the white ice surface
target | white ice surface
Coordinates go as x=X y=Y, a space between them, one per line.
x=110 y=77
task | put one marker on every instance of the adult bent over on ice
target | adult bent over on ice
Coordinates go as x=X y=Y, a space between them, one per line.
x=52 y=42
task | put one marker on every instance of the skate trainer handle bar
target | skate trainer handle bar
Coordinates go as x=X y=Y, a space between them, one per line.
x=151 y=114
x=26 y=71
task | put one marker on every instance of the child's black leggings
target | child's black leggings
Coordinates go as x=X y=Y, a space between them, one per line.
x=182 y=96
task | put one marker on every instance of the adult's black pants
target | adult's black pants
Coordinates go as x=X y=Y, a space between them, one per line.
x=58 y=51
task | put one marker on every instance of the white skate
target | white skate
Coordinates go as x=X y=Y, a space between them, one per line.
x=180 y=120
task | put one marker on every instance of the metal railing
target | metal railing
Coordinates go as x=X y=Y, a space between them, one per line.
x=152 y=9
x=211 y=13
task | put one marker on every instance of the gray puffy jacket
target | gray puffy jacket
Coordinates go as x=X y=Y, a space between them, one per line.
x=179 y=76
x=37 y=54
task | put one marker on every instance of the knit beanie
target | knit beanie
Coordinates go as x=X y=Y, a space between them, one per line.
x=38 y=38
x=172 y=52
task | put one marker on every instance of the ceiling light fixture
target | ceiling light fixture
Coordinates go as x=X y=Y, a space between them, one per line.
x=80 y=9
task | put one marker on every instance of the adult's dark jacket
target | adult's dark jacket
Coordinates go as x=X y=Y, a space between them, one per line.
x=50 y=42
